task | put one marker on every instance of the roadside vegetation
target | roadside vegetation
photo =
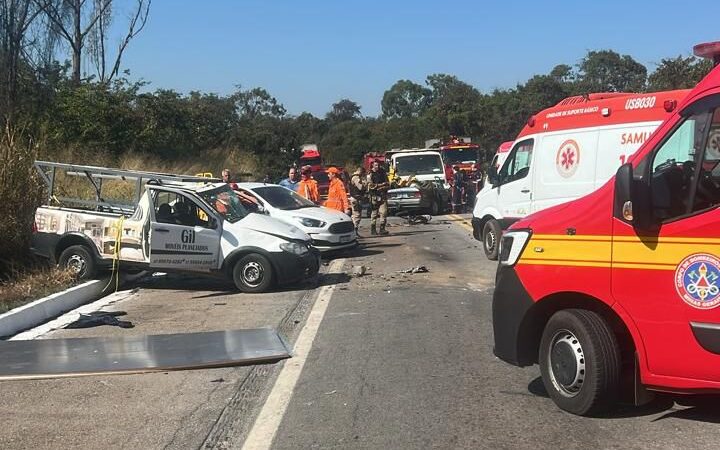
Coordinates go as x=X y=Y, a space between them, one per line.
x=32 y=283
x=64 y=97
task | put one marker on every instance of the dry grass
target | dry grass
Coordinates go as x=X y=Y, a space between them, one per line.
x=19 y=196
x=31 y=285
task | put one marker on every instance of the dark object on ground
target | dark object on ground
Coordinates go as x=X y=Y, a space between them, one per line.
x=99 y=318
x=418 y=269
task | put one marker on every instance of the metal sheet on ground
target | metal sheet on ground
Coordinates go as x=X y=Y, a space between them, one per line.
x=51 y=358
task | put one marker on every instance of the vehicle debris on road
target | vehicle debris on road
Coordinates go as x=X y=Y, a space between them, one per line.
x=53 y=358
x=418 y=269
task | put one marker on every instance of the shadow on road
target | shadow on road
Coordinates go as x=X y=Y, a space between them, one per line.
x=328 y=279
x=352 y=253
x=410 y=233
x=702 y=408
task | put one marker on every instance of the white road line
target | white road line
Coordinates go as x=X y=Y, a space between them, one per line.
x=268 y=421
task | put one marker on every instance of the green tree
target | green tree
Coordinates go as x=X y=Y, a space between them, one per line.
x=343 y=111
x=454 y=105
x=257 y=102
x=678 y=73
x=406 y=99
x=608 y=71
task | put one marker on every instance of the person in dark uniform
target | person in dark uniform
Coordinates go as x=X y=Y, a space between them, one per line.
x=378 y=185
x=458 y=189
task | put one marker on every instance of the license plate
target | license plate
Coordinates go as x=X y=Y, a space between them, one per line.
x=346 y=238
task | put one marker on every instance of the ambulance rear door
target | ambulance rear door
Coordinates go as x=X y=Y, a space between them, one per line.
x=616 y=144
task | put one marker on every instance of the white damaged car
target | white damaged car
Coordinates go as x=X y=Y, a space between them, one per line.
x=329 y=229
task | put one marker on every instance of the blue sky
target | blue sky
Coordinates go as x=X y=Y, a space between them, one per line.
x=309 y=54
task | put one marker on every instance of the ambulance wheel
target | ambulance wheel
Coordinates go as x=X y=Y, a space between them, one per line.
x=491 y=239
x=580 y=362
x=253 y=273
x=79 y=260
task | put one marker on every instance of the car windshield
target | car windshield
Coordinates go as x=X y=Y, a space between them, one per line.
x=460 y=155
x=419 y=165
x=282 y=198
x=225 y=202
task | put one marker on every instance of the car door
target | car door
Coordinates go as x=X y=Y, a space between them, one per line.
x=515 y=181
x=668 y=279
x=183 y=235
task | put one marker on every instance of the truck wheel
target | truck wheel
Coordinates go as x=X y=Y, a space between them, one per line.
x=253 y=273
x=79 y=260
x=491 y=239
x=580 y=362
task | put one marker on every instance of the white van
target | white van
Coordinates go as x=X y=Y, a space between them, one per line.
x=565 y=152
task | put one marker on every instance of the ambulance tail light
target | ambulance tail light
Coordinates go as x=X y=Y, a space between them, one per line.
x=669 y=105
x=709 y=50
x=512 y=246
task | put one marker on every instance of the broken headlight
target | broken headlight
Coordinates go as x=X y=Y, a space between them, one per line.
x=294 y=248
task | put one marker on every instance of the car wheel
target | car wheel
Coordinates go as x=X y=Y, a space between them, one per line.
x=491 y=239
x=79 y=260
x=434 y=208
x=580 y=362
x=253 y=273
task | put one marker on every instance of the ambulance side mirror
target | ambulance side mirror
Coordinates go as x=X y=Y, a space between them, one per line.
x=630 y=205
x=492 y=175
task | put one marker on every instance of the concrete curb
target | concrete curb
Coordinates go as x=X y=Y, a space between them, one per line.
x=42 y=310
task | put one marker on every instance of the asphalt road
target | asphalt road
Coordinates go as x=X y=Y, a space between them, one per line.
x=393 y=361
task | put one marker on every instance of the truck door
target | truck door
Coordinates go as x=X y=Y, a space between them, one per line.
x=183 y=234
x=668 y=279
x=515 y=181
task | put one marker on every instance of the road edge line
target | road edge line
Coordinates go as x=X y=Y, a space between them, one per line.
x=262 y=434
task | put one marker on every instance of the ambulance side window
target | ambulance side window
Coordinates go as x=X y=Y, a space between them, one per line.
x=685 y=177
x=517 y=165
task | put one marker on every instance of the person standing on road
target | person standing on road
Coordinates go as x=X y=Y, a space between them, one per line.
x=378 y=185
x=307 y=187
x=337 y=196
x=358 y=189
x=291 y=182
x=458 y=187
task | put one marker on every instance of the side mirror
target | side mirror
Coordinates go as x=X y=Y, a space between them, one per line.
x=632 y=205
x=623 y=205
x=492 y=175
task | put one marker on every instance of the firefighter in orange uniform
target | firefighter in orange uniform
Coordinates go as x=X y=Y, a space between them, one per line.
x=307 y=187
x=337 y=196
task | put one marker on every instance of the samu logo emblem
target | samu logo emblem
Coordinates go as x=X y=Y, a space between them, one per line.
x=697 y=280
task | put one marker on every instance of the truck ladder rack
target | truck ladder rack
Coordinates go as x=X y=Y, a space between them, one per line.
x=95 y=176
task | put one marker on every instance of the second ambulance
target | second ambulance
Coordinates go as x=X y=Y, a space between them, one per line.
x=565 y=152
x=618 y=292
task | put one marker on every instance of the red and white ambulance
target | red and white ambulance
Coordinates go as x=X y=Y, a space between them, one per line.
x=618 y=292
x=565 y=152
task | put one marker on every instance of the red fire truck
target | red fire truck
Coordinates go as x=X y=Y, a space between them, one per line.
x=310 y=156
x=618 y=292
x=457 y=151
